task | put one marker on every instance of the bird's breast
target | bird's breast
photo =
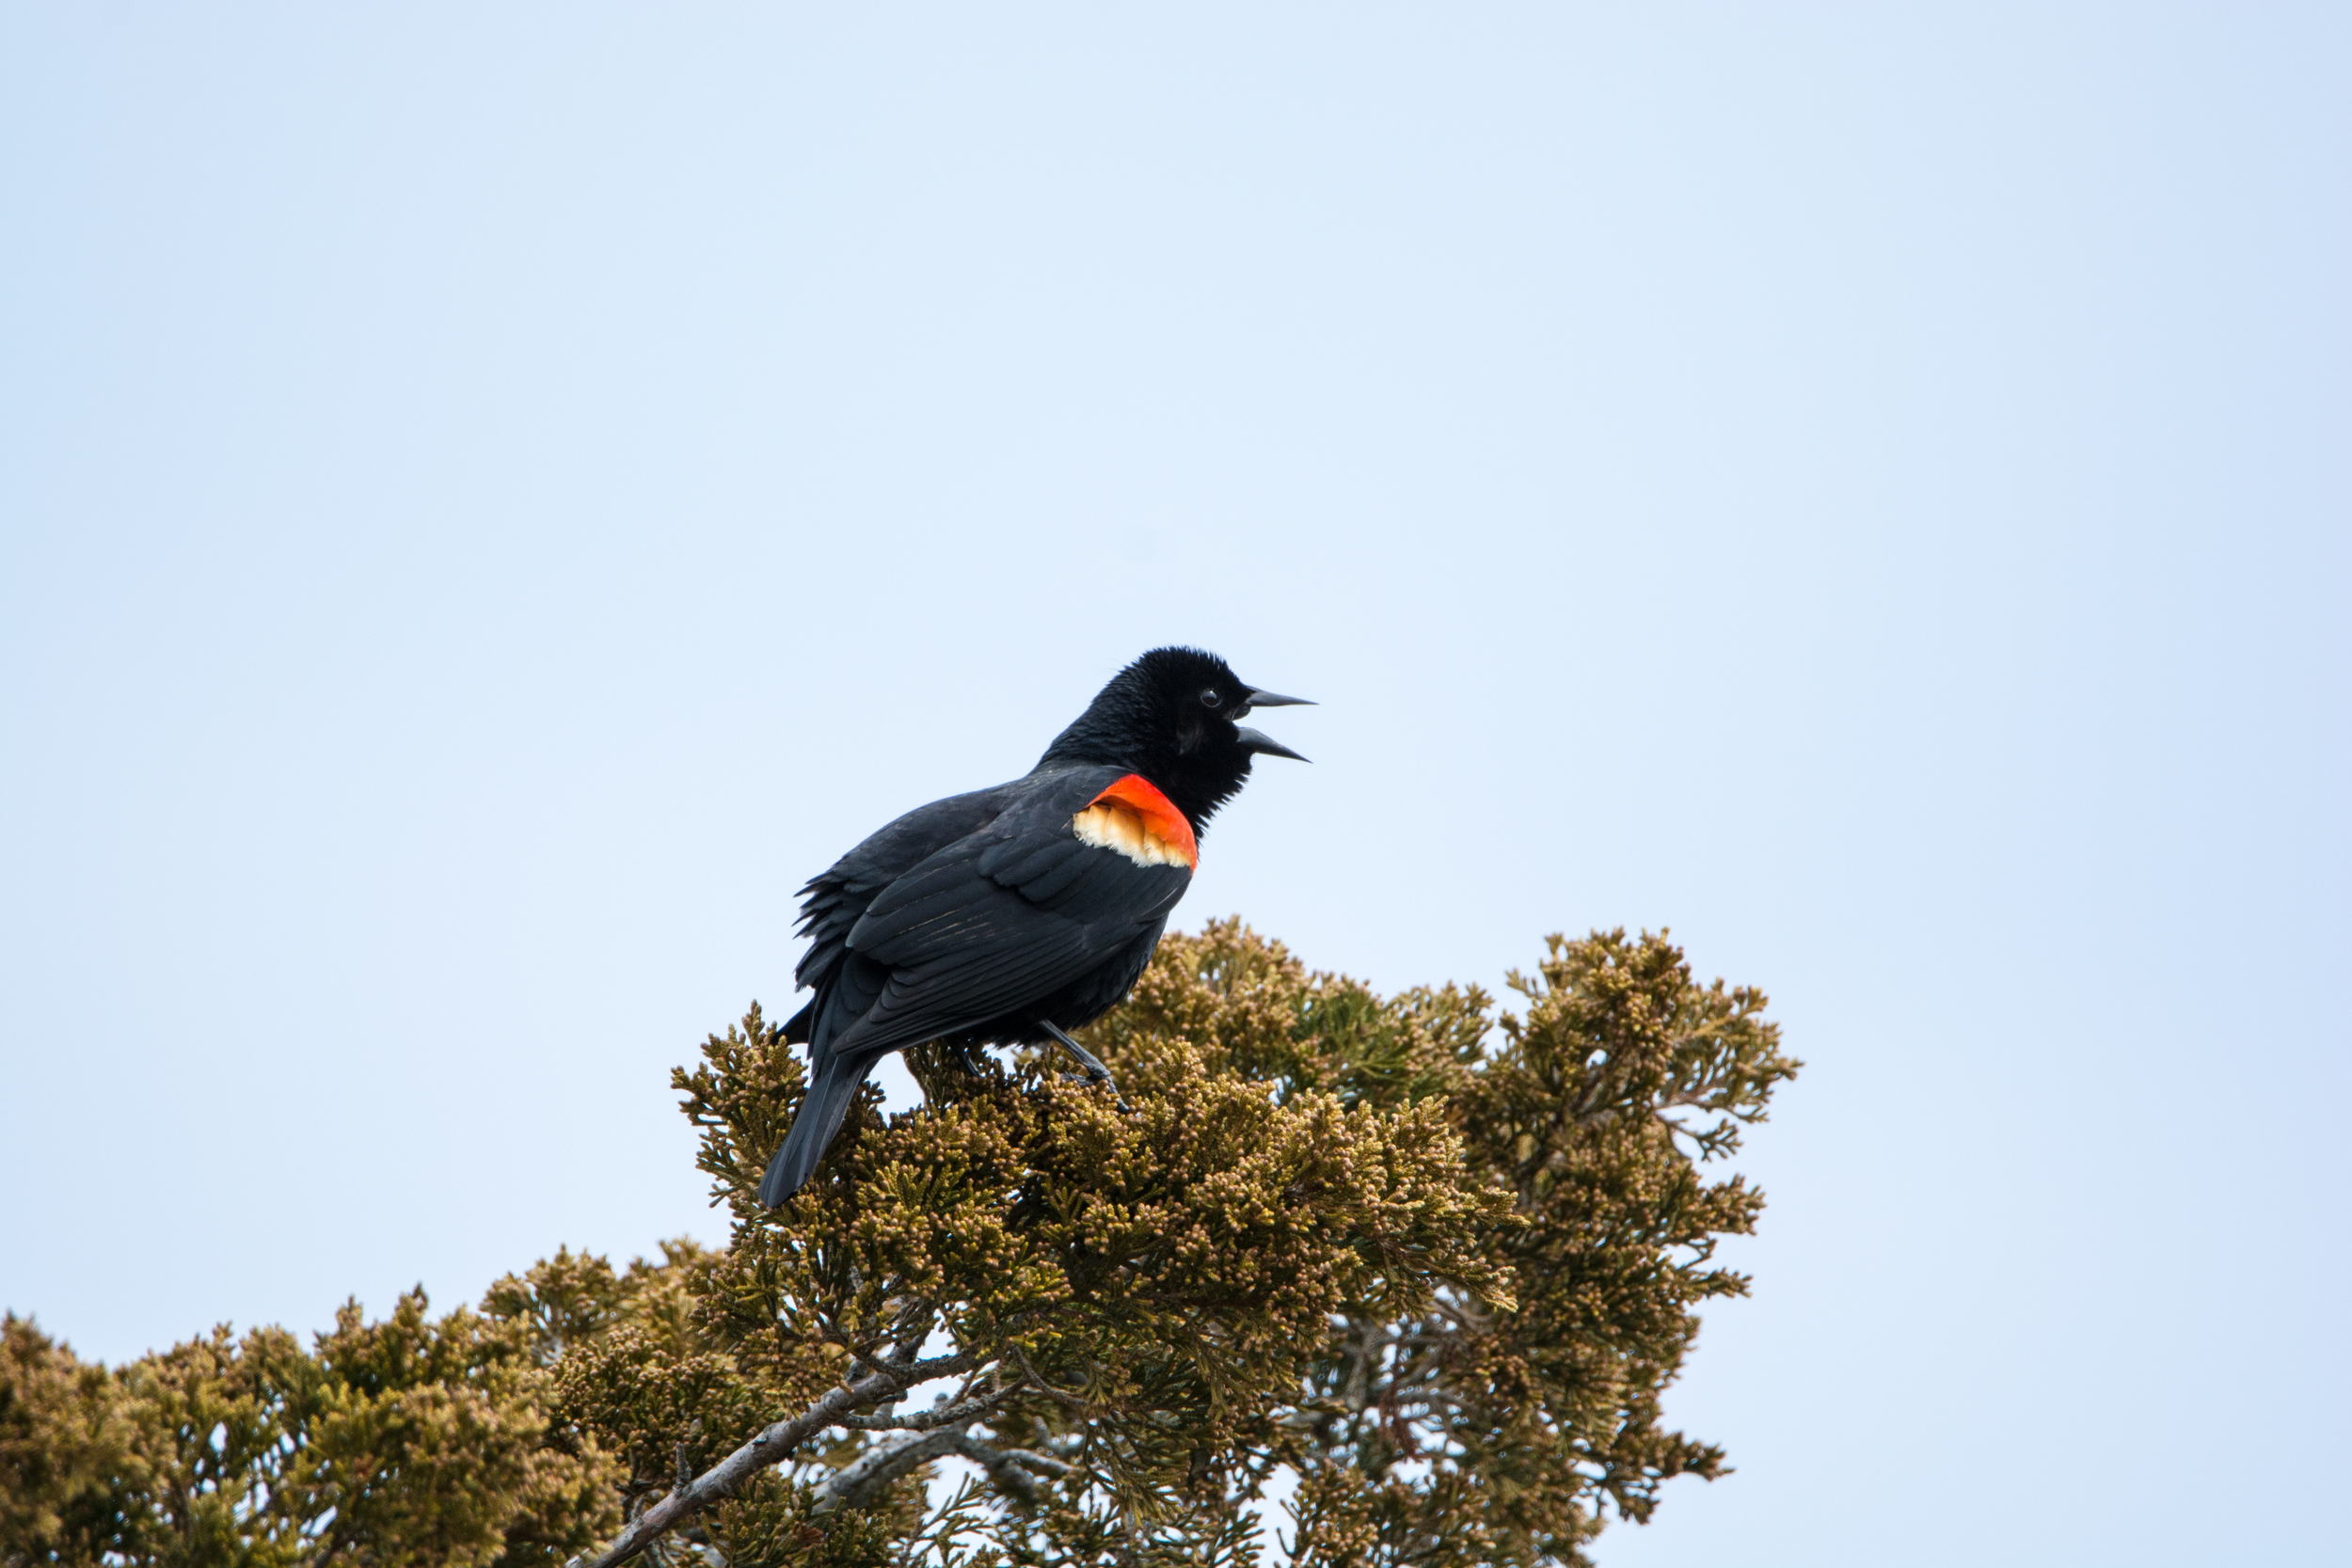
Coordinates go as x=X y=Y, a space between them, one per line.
x=1134 y=818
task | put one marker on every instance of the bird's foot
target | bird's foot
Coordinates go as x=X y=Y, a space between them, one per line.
x=1095 y=1071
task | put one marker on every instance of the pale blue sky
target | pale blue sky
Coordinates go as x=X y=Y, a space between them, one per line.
x=491 y=497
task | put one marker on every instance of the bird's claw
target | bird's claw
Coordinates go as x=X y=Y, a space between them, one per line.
x=1104 y=1081
x=1096 y=1073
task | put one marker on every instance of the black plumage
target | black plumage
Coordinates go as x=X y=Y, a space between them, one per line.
x=1009 y=914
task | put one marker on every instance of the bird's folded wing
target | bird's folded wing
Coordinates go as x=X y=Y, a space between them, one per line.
x=832 y=902
x=999 y=921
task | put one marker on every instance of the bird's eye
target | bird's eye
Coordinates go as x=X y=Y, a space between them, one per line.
x=1210 y=698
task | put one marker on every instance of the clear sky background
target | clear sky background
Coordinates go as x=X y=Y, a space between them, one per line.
x=494 y=496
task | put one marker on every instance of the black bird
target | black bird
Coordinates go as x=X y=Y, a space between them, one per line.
x=1014 y=914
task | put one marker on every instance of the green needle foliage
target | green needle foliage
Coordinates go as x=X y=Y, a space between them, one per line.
x=1429 y=1269
x=405 y=1441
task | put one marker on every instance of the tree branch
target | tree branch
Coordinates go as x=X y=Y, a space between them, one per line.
x=1038 y=1381
x=770 y=1447
x=878 y=1468
x=1003 y=1465
x=926 y=1420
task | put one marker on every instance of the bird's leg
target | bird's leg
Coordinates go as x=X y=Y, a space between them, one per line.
x=1096 y=1072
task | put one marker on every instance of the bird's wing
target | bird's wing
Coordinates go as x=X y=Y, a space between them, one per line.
x=1006 y=916
x=834 y=901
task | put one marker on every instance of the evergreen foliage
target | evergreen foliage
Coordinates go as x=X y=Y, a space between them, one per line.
x=405 y=1441
x=1440 y=1279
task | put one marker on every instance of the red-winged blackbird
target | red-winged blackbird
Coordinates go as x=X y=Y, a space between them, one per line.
x=1016 y=913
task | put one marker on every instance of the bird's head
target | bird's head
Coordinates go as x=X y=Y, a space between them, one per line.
x=1174 y=716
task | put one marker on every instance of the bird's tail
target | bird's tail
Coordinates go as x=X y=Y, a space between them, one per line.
x=831 y=1094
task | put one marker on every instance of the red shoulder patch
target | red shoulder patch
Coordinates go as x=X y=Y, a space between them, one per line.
x=1134 y=818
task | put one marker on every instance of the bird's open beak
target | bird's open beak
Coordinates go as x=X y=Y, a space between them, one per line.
x=1258 y=740
x=1275 y=698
